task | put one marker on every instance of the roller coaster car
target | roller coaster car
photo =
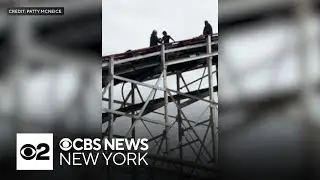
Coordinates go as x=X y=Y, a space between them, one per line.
x=148 y=50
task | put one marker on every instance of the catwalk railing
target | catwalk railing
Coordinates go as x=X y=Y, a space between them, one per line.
x=158 y=65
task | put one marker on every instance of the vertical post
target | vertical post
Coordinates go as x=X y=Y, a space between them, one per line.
x=179 y=120
x=217 y=72
x=21 y=38
x=133 y=134
x=111 y=107
x=111 y=96
x=304 y=13
x=214 y=122
x=165 y=84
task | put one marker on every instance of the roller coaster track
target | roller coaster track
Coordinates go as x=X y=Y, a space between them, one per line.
x=149 y=67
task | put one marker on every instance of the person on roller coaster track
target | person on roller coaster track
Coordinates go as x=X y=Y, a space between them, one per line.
x=207 y=30
x=166 y=38
x=154 y=40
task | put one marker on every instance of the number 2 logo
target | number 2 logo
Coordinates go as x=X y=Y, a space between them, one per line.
x=29 y=152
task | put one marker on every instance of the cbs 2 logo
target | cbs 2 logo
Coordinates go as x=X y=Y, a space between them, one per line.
x=29 y=152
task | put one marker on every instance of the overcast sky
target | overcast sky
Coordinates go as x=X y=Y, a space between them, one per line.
x=127 y=24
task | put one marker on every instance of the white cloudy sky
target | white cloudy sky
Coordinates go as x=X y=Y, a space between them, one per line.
x=127 y=24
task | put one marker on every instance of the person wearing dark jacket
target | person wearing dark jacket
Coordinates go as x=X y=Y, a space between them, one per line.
x=166 y=38
x=154 y=40
x=207 y=30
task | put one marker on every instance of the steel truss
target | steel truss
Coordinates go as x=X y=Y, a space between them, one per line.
x=195 y=150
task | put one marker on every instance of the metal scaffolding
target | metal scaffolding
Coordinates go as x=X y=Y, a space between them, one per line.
x=288 y=103
x=34 y=64
x=193 y=153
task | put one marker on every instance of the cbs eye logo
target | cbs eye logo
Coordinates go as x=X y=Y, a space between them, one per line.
x=65 y=144
x=29 y=152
